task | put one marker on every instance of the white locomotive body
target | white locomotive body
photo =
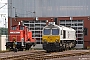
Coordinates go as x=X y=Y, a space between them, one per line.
x=67 y=33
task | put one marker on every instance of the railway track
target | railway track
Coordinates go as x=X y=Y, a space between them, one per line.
x=42 y=55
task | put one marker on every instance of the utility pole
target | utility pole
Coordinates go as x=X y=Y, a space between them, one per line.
x=5 y=27
x=15 y=14
x=5 y=22
x=11 y=14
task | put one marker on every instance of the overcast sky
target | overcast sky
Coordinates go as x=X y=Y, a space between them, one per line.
x=3 y=13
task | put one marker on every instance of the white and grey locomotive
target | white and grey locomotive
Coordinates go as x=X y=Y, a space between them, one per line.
x=58 y=38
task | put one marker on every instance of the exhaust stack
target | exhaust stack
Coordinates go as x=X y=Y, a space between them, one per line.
x=19 y=23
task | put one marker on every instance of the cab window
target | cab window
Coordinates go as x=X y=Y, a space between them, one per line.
x=55 y=31
x=21 y=28
x=14 y=28
x=46 y=31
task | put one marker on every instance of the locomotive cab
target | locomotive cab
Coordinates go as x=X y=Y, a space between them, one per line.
x=22 y=36
x=51 y=37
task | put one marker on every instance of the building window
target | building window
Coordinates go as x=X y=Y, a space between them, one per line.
x=55 y=20
x=85 y=31
x=80 y=42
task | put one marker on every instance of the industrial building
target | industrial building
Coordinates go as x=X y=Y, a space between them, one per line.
x=37 y=13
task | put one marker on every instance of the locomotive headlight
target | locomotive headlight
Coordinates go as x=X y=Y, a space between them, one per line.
x=44 y=40
x=57 y=40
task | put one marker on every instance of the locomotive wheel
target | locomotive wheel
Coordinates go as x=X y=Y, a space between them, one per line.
x=48 y=51
x=61 y=49
x=69 y=48
x=15 y=49
x=27 y=48
x=20 y=49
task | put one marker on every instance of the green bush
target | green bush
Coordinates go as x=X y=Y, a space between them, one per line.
x=3 y=31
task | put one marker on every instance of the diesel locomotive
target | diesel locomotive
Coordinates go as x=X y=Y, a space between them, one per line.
x=20 y=37
x=58 y=38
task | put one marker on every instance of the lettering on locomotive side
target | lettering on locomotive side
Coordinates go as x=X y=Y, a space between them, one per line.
x=14 y=32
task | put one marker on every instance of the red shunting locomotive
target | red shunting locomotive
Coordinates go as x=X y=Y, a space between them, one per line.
x=21 y=36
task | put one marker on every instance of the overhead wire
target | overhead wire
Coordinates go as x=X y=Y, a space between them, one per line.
x=3 y=5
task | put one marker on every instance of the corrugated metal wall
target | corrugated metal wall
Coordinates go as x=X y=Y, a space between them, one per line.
x=49 y=8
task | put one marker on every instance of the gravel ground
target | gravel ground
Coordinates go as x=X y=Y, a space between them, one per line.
x=82 y=57
x=41 y=54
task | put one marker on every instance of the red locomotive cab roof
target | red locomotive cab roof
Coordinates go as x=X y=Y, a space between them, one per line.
x=14 y=26
x=17 y=25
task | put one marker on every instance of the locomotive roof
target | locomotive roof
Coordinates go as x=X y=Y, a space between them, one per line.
x=16 y=25
x=67 y=28
x=64 y=27
x=13 y=25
